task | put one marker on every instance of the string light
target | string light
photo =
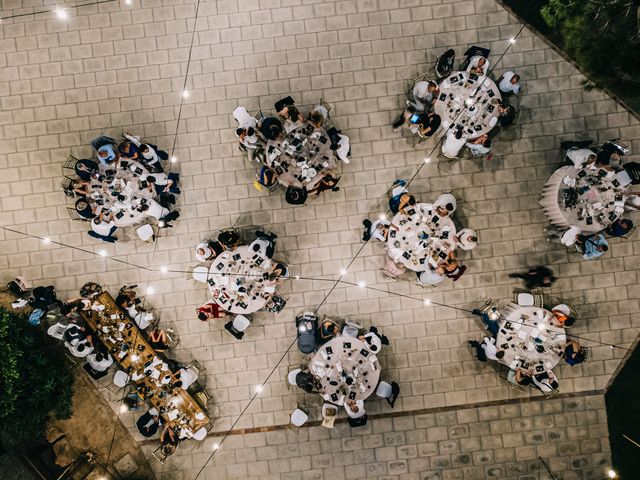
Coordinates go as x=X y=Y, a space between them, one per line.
x=102 y=253
x=185 y=94
x=427 y=302
x=612 y=474
x=469 y=102
x=427 y=159
x=46 y=240
x=127 y=2
x=383 y=217
x=216 y=446
x=512 y=40
x=164 y=269
x=62 y=13
x=162 y=224
x=173 y=160
x=123 y=409
x=150 y=291
x=259 y=388
x=343 y=271
x=362 y=284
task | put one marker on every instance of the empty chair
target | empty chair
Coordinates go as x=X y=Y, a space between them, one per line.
x=525 y=299
x=329 y=414
x=101 y=141
x=351 y=328
x=291 y=377
x=200 y=273
x=121 y=379
x=145 y=232
x=299 y=417
x=358 y=422
x=388 y=391
x=276 y=304
x=200 y=434
x=237 y=326
x=57 y=331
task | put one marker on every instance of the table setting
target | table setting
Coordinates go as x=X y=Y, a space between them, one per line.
x=421 y=238
x=590 y=198
x=346 y=369
x=468 y=102
x=240 y=280
x=302 y=156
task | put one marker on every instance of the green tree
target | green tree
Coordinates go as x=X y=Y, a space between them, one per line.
x=35 y=380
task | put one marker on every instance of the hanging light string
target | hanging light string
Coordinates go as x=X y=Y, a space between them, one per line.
x=57 y=10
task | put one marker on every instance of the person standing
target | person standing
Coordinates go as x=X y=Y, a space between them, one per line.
x=536 y=277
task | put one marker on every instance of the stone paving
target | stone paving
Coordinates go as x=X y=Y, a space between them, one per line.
x=113 y=67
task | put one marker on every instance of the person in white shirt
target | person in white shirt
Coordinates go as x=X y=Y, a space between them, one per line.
x=185 y=378
x=103 y=227
x=487 y=350
x=343 y=148
x=478 y=65
x=81 y=349
x=453 y=143
x=424 y=94
x=510 y=82
x=355 y=409
x=546 y=381
x=429 y=277
x=154 y=209
x=378 y=230
x=480 y=146
x=147 y=154
x=99 y=362
x=581 y=157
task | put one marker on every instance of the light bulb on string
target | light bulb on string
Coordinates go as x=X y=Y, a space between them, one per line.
x=362 y=284
x=612 y=474
x=102 y=253
x=173 y=160
x=150 y=291
x=427 y=160
x=164 y=269
x=216 y=446
x=512 y=40
x=383 y=217
x=185 y=94
x=46 y=240
x=62 y=13
x=427 y=302
x=343 y=271
x=259 y=388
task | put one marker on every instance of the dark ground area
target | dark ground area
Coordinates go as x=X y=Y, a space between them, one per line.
x=623 y=412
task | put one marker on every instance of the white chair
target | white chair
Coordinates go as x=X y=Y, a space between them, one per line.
x=200 y=273
x=299 y=417
x=570 y=236
x=145 y=232
x=241 y=323
x=200 y=434
x=351 y=328
x=57 y=331
x=525 y=300
x=384 y=390
x=291 y=377
x=329 y=414
x=121 y=379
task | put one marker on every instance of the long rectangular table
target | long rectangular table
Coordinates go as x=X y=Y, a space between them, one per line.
x=148 y=371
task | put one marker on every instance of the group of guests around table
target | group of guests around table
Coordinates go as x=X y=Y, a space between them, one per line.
x=545 y=381
x=81 y=343
x=419 y=116
x=374 y=341
x=445 y=205
x=608 y=157
x=123 y=185
x=254 y=134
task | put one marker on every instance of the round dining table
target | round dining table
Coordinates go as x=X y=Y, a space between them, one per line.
x=589 y=198
x=302 y=156
x=238 y=280
x=420 y=238
x=468 y=101
x=346 y=370
x=528 y=338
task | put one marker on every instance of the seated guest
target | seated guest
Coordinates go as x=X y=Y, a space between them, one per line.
x=633 y=170
x=75 y=334
x=160 y=183
x=519 y=377
x=592 y=246
x=279 y=271
x=424 y=94
x=264 y=244
x=328 y=182
x=128 y=150
x=148 y=423
x=450 y=268
x=139 y=315
x=341 y=147
x=574 y=353
x=150 y=155
x=487 y=349
x=271 y=128
x=430 y=277
x=492 y=325
x=206 y=251
x=168 y=441
x=620 y=227
x=103 y=227
x=444 y=65
x=478 y=65
x=453 y=143
x=282 y=106
x=425 y=124
x=479 y=146
x=546 y=381
x=307 y=382
x=536 y=277
x=100 y=362
x=316 y=118
x=374 y=340
x=327 y=330
x=506 y=115
x=81 y=349
x=354 y=409
x=84 y=208
x=158 y=340
x=209 y=311
x=85 y=169
x=229 y=239
x=247 y=138
x=378 y=230
x=400 y=198
x=562 y=317
x=582 y=157
x=510 y=83
x=107 y=154
x=184 y=378
x=467 y=239
x=445 y=205
x=81 y=188
x=609 y=154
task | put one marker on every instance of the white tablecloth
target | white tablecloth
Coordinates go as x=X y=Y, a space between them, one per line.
x=527 y=337
x=460 y=87
x=236 y=280
x=417 y=241
x=598 y=202
x=301 y=158
x=346 y=369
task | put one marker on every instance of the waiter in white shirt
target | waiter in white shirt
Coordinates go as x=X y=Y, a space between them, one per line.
x=355 y=409
x=510 y=82
x=99 y=362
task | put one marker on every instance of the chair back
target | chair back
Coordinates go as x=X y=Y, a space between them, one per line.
x=145 y=232
x=57 y=331
x=384 y=390
x=241 y=323
x=200 y=273
x=630 y=233
x=74 y=215
x=525 y=299
x=70 y=163
x=351 y=328
x=291 y=376
x=358 y=422
x=299 y=417
x=120 y=379
x=200 y=435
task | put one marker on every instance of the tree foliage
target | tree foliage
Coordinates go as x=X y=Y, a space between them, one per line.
x=35 y=380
